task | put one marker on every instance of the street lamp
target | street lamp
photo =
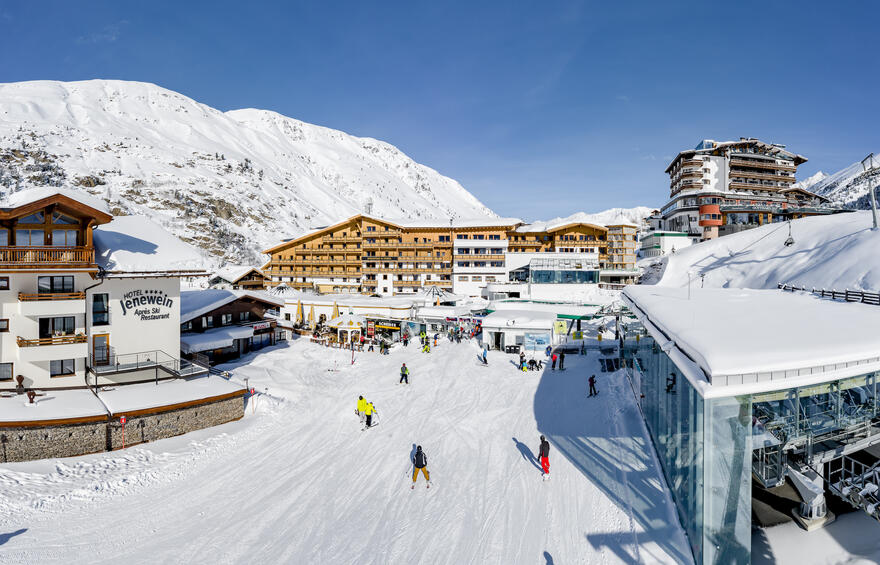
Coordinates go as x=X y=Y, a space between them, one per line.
x=870 y=168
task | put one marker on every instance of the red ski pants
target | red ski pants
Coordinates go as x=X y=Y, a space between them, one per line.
x=545 y=465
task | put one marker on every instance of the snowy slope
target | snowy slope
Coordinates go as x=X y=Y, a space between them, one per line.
x=296 y=481
x=812 y=180
x=839 y=251
x=233 y=183
x=847 y=187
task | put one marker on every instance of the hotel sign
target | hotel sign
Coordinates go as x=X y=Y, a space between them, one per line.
x=146 y=304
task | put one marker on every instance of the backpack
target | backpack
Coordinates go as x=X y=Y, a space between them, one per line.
x=420 y=460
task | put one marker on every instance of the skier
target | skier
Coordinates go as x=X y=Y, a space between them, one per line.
x=436 y=337
x=593 y=391
x=370 y=348
x=368 y=410
x=544 y=456
x=553 y=365
x=561 y=360
x=485 y=354
x=548 y=351
x=522 y=361
x=406 y=340
x=404 y=374
x=361 y=408
x=420 y=463
x=426 y=348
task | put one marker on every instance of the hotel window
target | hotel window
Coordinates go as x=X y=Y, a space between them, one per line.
x=207 y=321
x=4 y=237
x=463 y=279
x=490 y=279
x=4 y=283
x=35 y=218
x=62 y=368
x=100 y=309
x=5 y=371
x=59 y=218
x=479 y=236
x=4 y=325
x=244 y=316
x=63 y=325
x=497 y=264
x=494 y=236
x=29 y=238
x=54 y=285
x=186 y=326
x=477 y=279
x=461 y=236
x=226 y=319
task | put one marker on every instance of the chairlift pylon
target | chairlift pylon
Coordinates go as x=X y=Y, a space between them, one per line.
x=790 y=240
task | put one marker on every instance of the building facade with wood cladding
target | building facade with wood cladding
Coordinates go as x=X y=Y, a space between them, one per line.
x=719 y=188
x=370 y=255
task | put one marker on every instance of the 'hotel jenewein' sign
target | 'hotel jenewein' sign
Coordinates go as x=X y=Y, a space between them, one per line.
x=146 y=304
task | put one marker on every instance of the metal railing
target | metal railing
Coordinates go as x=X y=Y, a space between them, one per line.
x=25 y=297
x=106 y=362
x=54 y=340
x=846 y=295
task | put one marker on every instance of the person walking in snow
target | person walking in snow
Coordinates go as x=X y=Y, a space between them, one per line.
x=548 y=351
x=485 y=354
x=553 y=359
x=544 y=456
x=426 y=348
x=406 y=340
x=361 y=409
x=420 y=463
x=404 y=374
x=593 y=391
x=522 y=360
x=369 y=409
x=561 y=360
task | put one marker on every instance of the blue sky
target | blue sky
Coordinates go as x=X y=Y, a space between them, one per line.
x=538 y=108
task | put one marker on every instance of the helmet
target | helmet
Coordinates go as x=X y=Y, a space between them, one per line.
x=542 y=438
x=418 y=448
x=360 y=397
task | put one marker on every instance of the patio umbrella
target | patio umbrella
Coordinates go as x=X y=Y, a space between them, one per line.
x=312 y=316
x=299 y=312
x=335 y=311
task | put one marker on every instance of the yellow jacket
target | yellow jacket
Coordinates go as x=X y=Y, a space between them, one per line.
x=362 y=405
x=368 y=410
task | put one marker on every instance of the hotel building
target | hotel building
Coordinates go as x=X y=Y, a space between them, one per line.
x=369 y=255
x=719 y=188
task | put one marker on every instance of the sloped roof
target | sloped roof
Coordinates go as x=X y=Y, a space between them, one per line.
x=234 y=273
x=195 y=303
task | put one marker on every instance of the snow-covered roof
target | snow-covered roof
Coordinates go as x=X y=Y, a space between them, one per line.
x=137 y=244
x=346 y=321
x=555 y=308
x=194 y=303
x=129 y=398
x=55 y=405
x=233 y=273
x=434 y=312
x=213 y=339
x=761 y=338
x=520 y=319
x=30 y=195
x=454 y=223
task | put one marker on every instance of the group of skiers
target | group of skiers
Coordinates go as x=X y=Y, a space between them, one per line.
x=365 y=411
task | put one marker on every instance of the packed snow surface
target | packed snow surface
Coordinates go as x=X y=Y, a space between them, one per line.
x=234 y=182
x=297 y=481
x=165 y=393
x=838 y=251
x=739 y=331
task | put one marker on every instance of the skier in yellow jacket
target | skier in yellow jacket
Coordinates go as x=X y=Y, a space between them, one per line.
x=361 y=408
x=369 y=410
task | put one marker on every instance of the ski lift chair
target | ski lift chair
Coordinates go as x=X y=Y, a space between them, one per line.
x=789 y=240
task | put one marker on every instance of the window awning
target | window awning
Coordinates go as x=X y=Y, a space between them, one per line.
x=214 y=339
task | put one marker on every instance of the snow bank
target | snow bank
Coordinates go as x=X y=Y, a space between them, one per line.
x=129 y=398
x=136 y=243
x=838 y=251
x=55 y=405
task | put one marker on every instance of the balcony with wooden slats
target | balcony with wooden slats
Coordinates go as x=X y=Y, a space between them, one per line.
x=46 y=257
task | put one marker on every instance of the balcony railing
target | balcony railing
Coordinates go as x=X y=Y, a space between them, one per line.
x=42 y=256
x=108 y=362
x=24 y=297
x=761 y=164
x=55 y=340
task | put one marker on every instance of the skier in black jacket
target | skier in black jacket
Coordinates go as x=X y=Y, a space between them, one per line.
x=544 y=456
x=420 y=463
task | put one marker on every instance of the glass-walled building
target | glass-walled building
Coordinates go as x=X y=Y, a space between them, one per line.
x=736 y=382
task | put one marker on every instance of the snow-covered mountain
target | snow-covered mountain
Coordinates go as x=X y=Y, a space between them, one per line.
x=610 y=217
x=811 y=180
x=233 y=183
x=847 y=187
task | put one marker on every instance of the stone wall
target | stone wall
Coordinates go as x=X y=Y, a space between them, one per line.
x=27 y=443
x=150 y=427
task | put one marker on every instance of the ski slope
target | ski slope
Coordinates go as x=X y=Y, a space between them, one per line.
x=297 y=481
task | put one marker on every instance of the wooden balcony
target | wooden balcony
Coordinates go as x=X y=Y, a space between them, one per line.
x=24 y=297
x=761 y=165
x=46 y=257
x=340 y=239
x=55 y=340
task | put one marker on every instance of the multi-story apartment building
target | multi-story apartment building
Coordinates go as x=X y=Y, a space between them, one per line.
x=720 y=188
x=364 y=254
